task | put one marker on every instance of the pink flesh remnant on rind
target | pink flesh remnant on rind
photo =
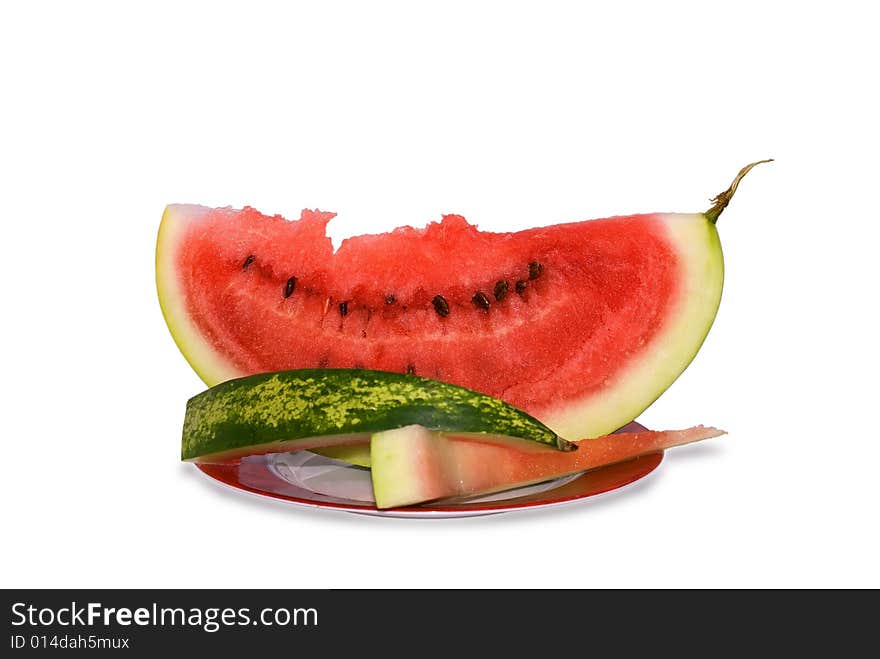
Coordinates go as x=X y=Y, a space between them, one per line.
x=443 y=465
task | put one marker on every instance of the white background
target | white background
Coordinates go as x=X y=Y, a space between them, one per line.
x=514 y=115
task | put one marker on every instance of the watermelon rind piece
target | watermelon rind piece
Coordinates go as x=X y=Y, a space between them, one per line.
x=413 y=464
x=312 y=408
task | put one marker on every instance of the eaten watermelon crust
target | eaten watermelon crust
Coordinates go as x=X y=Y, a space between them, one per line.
x=582 y=325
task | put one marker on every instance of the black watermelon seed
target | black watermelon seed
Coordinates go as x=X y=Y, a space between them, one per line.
x=248 y=261
x=535 y=270
x=501 y=289
x=289 y=286
x=521 y=286
x=480 y=300
x=441 y=306
x=411 y=369
x=390 y=299
x=343 y=308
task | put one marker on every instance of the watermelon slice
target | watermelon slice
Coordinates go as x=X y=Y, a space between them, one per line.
x=582 y=325
x=413 y=464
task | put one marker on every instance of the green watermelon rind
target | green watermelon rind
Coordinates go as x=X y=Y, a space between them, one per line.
x=309 y=408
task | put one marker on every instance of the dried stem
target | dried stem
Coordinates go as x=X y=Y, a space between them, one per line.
x=720 y=202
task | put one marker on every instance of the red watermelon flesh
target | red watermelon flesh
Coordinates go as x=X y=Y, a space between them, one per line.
x=582 y=325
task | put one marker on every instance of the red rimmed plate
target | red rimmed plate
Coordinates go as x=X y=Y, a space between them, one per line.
x=317 y=482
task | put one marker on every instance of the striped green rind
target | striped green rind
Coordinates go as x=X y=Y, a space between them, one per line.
x=288 y=410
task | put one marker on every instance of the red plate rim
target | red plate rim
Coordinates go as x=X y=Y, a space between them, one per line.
x=255 y=477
